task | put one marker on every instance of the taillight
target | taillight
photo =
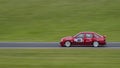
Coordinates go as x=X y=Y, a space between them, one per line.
x=104 y=36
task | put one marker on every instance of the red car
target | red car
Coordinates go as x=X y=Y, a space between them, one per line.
x=84 y=39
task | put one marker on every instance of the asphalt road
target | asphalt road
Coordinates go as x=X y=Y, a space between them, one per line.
x=45 y=44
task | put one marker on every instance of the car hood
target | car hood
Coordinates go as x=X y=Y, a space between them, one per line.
x=67 y=38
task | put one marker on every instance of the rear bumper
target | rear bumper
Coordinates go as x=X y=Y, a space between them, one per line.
x=102 y=43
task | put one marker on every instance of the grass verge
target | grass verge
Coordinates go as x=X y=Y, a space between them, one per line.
x=49 y=20
x=60 y=58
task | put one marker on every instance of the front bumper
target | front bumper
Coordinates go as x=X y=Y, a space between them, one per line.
x=62 y=44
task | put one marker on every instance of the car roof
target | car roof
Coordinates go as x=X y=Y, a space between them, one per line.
x=87 y=32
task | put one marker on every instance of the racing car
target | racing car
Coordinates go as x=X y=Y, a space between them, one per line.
x=84 y=39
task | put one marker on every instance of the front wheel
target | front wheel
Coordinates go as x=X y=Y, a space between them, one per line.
x=67 y=44
x=95 y=44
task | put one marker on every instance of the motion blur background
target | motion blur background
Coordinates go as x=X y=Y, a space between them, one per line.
x=49 y=20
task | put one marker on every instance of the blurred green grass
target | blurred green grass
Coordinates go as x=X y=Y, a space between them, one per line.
x=50 y=20
x=60 y=58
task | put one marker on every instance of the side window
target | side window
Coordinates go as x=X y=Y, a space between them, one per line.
x=96 y=36
x=89 y=35
x=80 y=36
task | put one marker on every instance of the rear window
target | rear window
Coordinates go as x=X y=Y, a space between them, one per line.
x=96 y=36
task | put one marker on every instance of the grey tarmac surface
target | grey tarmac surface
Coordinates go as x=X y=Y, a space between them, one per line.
x=45 y=45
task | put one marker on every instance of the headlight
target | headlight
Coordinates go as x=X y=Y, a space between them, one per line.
x=62 y=39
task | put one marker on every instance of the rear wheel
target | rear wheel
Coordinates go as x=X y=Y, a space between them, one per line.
x=67 y=44
x=95 y=44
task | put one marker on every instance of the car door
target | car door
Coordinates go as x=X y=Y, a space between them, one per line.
x=79 y=39
x=88 y=39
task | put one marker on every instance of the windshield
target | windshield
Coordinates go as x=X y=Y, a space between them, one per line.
x=79 y=35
